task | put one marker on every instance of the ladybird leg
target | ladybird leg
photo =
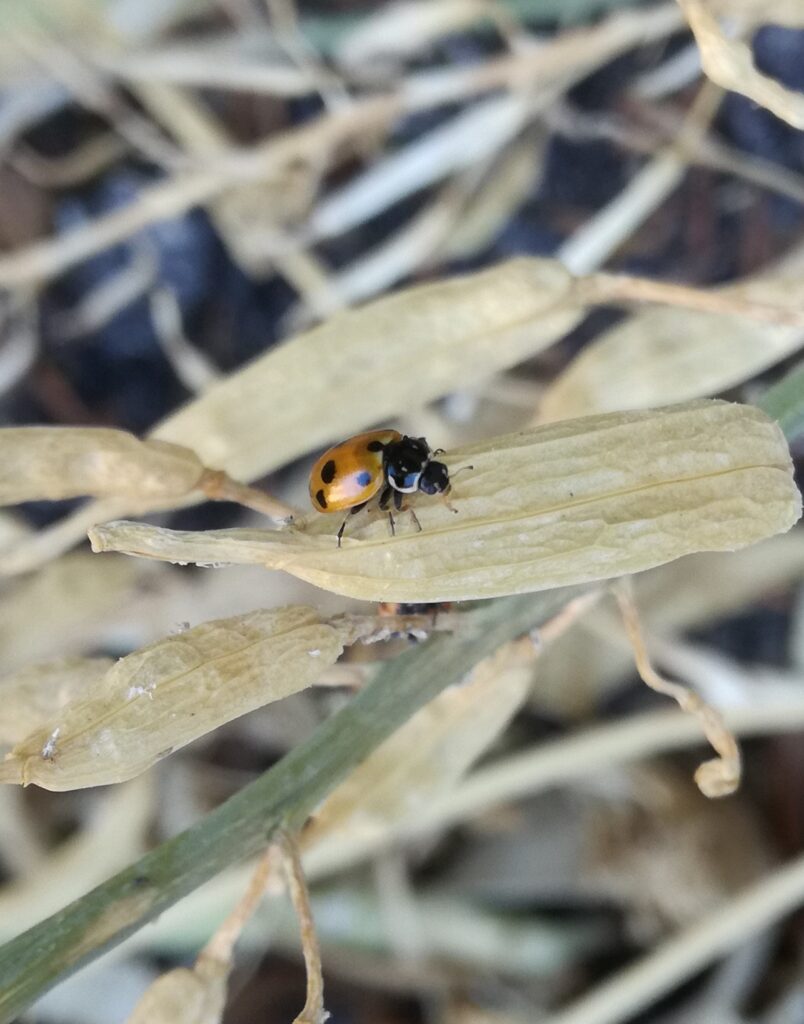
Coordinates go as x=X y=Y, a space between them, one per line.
x=385 y=500
x=446 y=501
x=352 y=511
x=399 y=499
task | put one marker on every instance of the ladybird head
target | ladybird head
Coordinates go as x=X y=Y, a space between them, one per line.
x=434 y=479
x=405 y=461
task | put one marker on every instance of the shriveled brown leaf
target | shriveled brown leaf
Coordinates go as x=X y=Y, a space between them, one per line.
x=170 y=693
x=730 y=62
x=566 y=503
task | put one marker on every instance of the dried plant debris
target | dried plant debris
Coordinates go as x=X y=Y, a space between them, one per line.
x=584 y=666
x=659 y=356
x=566 y=503
x=427 y=755
x=170 y=693
x=729 y=61
x=719 y=776
x=198 y=996
x=32 y=696
x=48 y=463
x=436 y=338
x=64 y=462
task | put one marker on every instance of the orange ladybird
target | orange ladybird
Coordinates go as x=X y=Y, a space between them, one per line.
x=380 y=461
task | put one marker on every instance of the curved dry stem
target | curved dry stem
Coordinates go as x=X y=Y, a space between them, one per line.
x=715 y=778
x=313 y=1011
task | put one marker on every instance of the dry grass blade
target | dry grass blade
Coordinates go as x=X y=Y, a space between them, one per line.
x=730 y=63
x=402 y=29
x=571 y=502
x=174 y=691
x=569 y=58
x=684 y=955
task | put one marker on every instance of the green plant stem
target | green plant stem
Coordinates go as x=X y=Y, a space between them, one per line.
x=784 y=402
x=281 y=799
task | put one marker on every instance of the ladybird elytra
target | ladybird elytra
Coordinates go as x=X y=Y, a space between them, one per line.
x=350 y=473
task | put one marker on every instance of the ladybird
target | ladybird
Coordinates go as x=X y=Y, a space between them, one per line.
x=406 y=610
x=351 y=473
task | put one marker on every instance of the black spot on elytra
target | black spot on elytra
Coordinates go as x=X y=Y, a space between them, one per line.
x=364 y=478
x=375 y=446
x=320 y=497
x=328 y=472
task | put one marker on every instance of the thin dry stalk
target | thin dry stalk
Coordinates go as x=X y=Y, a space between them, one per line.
x=217 y=485
x=621 y=289
x=719 y=776
x=313 y=1011
x=193 y=368
x=220 y=947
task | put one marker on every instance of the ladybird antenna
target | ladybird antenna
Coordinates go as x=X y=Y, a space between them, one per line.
x=461 y=470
